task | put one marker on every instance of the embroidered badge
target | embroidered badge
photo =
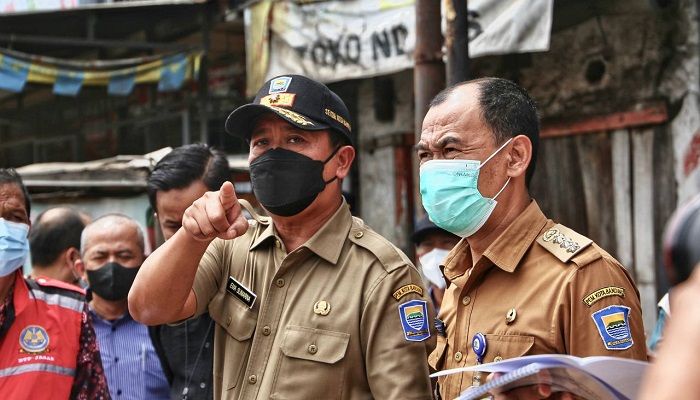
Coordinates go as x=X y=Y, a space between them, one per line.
x=239 y=291
x=414 y=319
x=280 y=85
x=279 y=100
x=294 y=116
x=406 y=289
x=34 y=339
x=603 y=293
x=613 y=326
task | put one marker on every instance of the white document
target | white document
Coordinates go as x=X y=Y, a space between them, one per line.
x=590 y=377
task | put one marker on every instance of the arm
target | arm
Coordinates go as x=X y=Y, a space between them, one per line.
x=90 y=381
x=396 y=367
x=162 y=291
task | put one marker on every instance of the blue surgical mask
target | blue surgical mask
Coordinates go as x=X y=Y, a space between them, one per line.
x=451 y=197
x=14 y=246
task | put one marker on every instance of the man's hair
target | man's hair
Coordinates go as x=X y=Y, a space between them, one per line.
x=52 y=235
x=507 y=109
x=185 y=165
x=108 y=221
x=10 y=176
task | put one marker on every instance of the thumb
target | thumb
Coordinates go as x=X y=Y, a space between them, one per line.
x=227 y=196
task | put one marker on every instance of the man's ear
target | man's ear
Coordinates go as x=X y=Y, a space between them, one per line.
x=345 y=157
x=520 y=155
x=77 y=262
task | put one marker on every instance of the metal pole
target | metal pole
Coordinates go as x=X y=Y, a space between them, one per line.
x=429 y=70
x=457 y=43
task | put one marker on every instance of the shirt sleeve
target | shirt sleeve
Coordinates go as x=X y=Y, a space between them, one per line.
x=601 y=313
x=398 y=335
x=209 y=275
x=90 y=381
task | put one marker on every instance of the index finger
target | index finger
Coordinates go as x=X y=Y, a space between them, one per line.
x=227 y=196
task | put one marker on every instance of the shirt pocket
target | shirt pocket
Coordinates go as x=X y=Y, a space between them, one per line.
x=312 y=365
x=238 y=323
x=436 y=359
x=501 y=347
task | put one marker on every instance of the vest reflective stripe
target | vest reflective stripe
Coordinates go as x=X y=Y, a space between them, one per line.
x=37 y=368
x=58 y=300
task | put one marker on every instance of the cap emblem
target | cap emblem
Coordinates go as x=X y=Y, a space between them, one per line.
x=280 y=85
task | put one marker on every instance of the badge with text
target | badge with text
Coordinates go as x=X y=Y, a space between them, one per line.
x=414 y=320
x=280 y=85
x=603 y=293
x=34 y=339
x=613 y=326
x=241 y=292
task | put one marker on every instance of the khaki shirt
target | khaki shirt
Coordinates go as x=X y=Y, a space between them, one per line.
x=325 y=321
x=539 y=288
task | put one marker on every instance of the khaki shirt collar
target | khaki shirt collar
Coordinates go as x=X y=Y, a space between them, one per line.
x=507 y=250
x=327 y=242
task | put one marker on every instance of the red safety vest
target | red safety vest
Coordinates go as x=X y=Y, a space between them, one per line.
x=39 y=352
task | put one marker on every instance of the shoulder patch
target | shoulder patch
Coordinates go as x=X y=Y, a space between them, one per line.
x=563 y=242
x=414 y=320
x=614 y=328
x=603 y=293
x=406 y=289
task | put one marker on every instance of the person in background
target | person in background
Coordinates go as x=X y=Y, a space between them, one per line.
x=432 y=246
x=113 y=249
x=177 y=180
x=54 y=243
x=681 y=255
x=48 y=348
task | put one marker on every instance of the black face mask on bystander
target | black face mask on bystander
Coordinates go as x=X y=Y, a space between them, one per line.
x=286 y=182
x=112 y=281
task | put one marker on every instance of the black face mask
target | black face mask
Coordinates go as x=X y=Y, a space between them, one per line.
x=286 y=182
x=112 y=281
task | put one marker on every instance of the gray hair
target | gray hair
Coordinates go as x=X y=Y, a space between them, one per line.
x=106 y=222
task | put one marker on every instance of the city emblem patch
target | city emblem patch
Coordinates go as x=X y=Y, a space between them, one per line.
x=614 y=328
x=414 y=320
x=280 y=85
x=34 y=339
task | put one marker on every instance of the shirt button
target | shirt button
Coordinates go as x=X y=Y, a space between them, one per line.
x=114 y=328
x=313 y=349
x=252 y=379
x=266 y=330
x=116 y=359
x=458 y=356
x=119 y=392
x=359 y=234
x=202 y=385
x=206 y=345
x=497 y=359
x=279 y=282
x=466 y=300
x=278 y=244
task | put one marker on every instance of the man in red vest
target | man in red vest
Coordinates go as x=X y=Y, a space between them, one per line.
x=48 y=348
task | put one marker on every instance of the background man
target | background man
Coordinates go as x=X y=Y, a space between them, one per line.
x=185 y=350
x=432 y=246
x=113 y=250
x=45 y=327
x=564 y=294
x=310 y=303
x=54 y=242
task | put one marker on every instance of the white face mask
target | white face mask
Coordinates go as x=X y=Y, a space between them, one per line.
x=430 y=264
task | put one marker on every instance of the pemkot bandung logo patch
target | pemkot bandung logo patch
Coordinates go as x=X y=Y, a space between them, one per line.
x=613 y=326
x=34 y=339
x=414 y=320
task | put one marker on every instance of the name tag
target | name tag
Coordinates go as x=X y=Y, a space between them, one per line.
x=241 y=292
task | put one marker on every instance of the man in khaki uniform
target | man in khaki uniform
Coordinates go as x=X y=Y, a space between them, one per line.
x=519 y=284
x=310 y=303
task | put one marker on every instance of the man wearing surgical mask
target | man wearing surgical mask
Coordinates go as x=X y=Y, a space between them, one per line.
x=309 y=303
x=48 y=348
x=113 y=249
x=432 y=246
x=519 y=283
